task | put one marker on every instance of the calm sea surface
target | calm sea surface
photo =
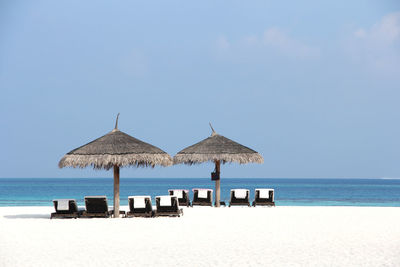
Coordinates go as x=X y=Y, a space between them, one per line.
x=288 y=192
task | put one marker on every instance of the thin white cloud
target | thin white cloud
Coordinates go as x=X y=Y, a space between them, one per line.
x=387 y=31
x=273 y=41
x=275 y=37
x=222 y=43
x=251 y=40
x=135 y=63
x=379 y=46
x=360 y=33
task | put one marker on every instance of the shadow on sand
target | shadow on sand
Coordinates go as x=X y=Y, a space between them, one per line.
x=28 y=216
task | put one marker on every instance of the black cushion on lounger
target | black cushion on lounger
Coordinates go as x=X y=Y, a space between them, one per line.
x=96 y=204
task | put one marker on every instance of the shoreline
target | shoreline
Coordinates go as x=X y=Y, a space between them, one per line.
x=222 y=207
x=289 y=192
x=204 y=236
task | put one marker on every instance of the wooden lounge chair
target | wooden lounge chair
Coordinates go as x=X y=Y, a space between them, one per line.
x=182 y=195
x=65 y=208
x=140 y=206
x=240 y=197
x=96 y=206
x=202 y=197
x=264 y=197
x=168 y=206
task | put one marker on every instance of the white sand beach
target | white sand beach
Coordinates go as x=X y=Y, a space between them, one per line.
x=280 y=236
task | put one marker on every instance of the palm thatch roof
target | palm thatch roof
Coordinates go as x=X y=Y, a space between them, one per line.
x=115 y=148
x=217 y=148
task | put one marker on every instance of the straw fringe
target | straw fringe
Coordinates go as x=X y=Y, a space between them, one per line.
x=108 y=161
x=241 y=158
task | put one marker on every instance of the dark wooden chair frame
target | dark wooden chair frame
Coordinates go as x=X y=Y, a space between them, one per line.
x=263 y=201
x=202 y=201
x=97 y=207
x=72 y=212
x=140 y=212
x=240 y=201
x=185 y=200
x=171 y=211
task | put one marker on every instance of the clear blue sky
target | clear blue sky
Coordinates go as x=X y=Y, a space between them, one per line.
x=314 y=86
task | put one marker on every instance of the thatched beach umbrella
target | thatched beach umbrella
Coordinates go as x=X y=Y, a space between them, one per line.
x=217 y=149
x=114 y=150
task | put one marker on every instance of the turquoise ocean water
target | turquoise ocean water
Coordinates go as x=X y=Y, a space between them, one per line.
x=288 y=192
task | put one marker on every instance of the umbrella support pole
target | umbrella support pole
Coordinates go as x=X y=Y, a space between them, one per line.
x=116 y=191
x=217 y=184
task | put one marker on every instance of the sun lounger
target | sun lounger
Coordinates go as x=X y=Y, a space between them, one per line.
x=65 y=208
x=140 y=206
x=240 y=197
x=168 y=206
x=202 y=197
x=96 y=206
x=264 y=197
x=182 y=195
